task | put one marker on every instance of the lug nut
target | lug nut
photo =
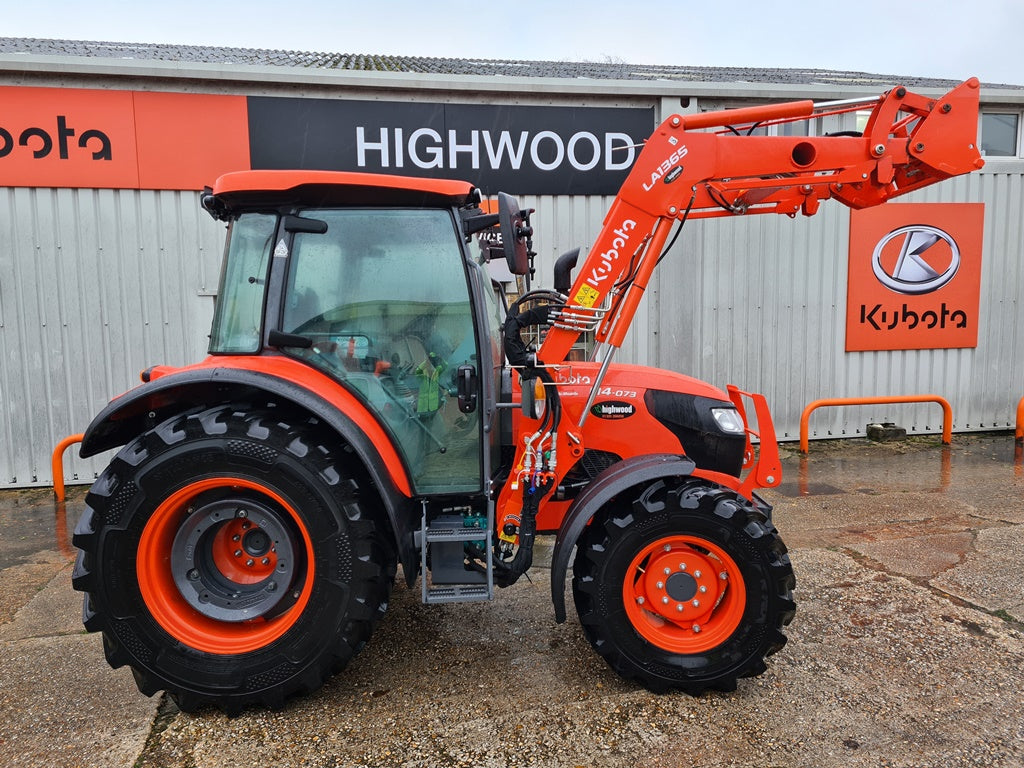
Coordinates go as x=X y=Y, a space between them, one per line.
x=696 y=574
x=667 y=547
x=679 y=607
x=696 y=627
x=236 y=537
x=682 y=567
x=695 y=603
x=703 y=588
x=266 y=561
x=639 y=600
x=665 y=600
x=668 y=571
x=238 y=553
x=723 y=576
x=250 y=562
x=660 y=585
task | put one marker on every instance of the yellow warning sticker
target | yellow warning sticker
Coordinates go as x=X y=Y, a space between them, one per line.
x=586 y=296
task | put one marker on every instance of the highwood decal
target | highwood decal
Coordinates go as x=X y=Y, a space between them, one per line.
x=101 y=139
x=915 y=276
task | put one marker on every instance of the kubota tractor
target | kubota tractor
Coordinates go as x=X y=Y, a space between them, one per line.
x=373 y=400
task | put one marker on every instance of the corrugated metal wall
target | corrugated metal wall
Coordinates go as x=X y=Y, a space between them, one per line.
x=95 y=285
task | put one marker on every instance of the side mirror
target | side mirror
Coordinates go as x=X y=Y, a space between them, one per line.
x=515 y=234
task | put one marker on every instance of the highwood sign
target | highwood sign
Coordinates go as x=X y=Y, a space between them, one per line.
x=915 y=276
x=58 y=137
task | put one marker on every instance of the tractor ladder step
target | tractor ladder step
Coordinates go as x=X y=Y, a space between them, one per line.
x=442 y=547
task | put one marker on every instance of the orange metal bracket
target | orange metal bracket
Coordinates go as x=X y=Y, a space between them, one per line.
x=1019 y=434
x=766 y=469
x=947 y=411
x=57 y=463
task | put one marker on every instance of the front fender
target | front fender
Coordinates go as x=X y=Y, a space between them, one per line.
x=610 y=483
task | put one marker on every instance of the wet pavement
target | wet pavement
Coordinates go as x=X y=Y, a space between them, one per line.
x=907 y=650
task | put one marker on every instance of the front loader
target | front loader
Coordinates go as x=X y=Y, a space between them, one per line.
x=372 y=401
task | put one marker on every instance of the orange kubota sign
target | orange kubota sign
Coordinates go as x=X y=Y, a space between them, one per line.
x=915 y=276
x=70 y=137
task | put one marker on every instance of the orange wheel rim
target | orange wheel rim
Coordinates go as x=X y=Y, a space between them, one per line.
x=243 y=580
x=684 y=594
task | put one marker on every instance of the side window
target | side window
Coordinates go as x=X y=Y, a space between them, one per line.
x=384 y=298
x=237 y=319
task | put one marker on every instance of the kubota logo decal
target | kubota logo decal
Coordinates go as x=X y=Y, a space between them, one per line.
x=613 y=409
x=915 y=259
x=610 y=257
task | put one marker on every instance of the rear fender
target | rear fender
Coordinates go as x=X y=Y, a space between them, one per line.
x=602 y=489
x=139 y=409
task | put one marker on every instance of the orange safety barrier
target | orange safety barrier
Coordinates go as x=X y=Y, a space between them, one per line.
x=1019 y=434
x=57 y=464
x=947 y=411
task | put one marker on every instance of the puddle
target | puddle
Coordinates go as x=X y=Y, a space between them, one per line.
x=32 y=522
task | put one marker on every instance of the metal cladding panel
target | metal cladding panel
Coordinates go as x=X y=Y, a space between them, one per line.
x=95 y=285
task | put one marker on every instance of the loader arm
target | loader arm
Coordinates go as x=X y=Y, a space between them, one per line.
x=710 y=164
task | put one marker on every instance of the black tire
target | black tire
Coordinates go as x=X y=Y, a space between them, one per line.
x=278 y=570
x=640 y=601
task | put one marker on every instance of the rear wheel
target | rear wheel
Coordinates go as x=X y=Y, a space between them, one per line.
x=229 y=558
x=686 y=586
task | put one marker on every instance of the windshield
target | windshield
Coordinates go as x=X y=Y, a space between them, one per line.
x=238 y=315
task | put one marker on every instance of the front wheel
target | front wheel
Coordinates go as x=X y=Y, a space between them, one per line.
x=230 y=557
x=687 y=585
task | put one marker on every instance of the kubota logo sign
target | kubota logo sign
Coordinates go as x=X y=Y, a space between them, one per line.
x=927 y=258
x=103 y=139
x=915 y=275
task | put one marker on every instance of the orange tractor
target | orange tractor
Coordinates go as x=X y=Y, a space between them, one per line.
x=372 y=399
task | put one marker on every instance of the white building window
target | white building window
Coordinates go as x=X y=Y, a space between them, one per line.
x=999 y=134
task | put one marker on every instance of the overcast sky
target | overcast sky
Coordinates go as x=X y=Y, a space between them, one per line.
x=952 y=39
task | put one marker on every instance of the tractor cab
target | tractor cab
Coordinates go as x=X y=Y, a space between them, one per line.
x=372 y=284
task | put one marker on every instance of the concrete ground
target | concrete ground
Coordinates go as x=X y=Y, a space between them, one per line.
x=907 y=650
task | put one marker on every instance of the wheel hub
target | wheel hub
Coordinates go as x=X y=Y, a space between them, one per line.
x=684 y=593
x=681 y=586
x=233 y=560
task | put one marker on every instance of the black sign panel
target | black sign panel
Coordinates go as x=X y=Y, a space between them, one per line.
x=516 y=149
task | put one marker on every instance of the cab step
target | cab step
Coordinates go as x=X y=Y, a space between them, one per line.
x=442 y=545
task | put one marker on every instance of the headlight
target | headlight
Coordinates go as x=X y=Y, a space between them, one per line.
x=728 y=420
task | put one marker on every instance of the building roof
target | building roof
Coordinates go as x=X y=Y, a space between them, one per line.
x=590 y=70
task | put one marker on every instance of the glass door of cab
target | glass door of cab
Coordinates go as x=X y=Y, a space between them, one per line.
x=383 y=296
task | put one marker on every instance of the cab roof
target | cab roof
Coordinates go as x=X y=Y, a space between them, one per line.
x=243 y=189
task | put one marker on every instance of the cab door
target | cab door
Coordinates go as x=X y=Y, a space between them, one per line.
x=384 y=296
